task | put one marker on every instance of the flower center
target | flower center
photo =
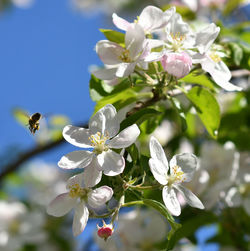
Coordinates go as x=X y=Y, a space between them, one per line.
x=14 y=226
x=98 y=141
x=215 y=57
x=177 y=41
x=177 y=176
x=77 y=191
x=125 y=56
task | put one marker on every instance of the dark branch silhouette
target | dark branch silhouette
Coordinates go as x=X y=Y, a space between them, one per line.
x=25 y=156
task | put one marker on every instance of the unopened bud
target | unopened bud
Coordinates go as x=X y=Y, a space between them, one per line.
x=105 y=231
x=177 y=64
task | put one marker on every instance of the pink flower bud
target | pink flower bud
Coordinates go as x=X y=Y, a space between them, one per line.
x=105 y=231
x=177 y=64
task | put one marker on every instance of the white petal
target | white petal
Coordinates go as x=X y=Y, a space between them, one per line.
x=111 y=163
x=105 y=74
x=109 y=52
x=134 y=40
x=99 y=196
x=92 y=175
x=76 y=159
x=153 y=18
x=105 y=121
x=80 y=218
x=246 y=205
x=154 y=56
x=187 y=162
x=76 y=179
x=125 y=69
x=157 y=152
x=170 y=200
x=190 y=198
x=125 y=138
x=77 y=136
x=120 y=23
x=176 y=26
x=206 y=37
x=158 y=170
x=61 y=205
x=220 y=73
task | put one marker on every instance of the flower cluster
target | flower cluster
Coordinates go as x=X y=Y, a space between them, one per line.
x=102 y=136
x=163 y=37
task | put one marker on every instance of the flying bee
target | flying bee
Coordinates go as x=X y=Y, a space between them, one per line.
x=32 y=121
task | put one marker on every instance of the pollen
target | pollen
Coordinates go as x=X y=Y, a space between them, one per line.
x=178 y=173
x=98 y=141
x=178 y=40
x=125 y=56
x=77 y=191
x=215 y=57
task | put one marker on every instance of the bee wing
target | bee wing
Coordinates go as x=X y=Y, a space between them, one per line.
x=21 y=116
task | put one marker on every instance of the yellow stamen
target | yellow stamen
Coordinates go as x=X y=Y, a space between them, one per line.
x=125 y=56
x=98 y=141
x=215 y=57
x=77 y=191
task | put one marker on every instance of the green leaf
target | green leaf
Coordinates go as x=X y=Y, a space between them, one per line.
x=207 y=109
x=21 y=116
x=119 y=100
x=237 y=53
x=176 y=104
x=230 y=6
x=139 y=117
x=195 y=78
x=96 y=89
x=114 y=36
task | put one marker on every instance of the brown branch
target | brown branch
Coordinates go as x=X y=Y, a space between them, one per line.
x=25 y=156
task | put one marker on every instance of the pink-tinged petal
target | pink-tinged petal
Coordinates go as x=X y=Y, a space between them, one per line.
x=120 y=23
x=134 y=40
x=157 y=152
x=105 y=121
x=92 y=175
x=109 y=52
x=99 y=196
x=77 y=136
x=80 y=218
x=76 y=159
x=189 y=197
x=170 y=200
x=105 y=74
x=61 y=205
x=76 y=179
x=125 y=138
x=125 y=69
x=206 y=37
x=187 y=162
x=111 y=163
x=153 y=18
x=158 y=170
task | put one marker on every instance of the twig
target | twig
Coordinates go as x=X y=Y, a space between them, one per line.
x=23 y=157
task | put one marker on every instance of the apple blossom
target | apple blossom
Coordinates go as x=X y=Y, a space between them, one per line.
x=77 y=197
x=182 y=168
x=177 y=64
x=105 y=231
x=210 y=58
x=101 y=137
x=151 y=19
x=121 y=61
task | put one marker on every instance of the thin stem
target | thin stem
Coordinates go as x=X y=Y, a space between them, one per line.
x=132 y=203
x=138 y=187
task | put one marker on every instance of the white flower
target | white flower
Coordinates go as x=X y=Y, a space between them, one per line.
x=151 y=19
x=182 y=168
x=78 y=197
x=20 y=226
x=101 y=137
x=210 y=58
x=121 y=61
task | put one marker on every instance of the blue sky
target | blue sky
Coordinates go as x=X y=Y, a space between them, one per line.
x=45 y=53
